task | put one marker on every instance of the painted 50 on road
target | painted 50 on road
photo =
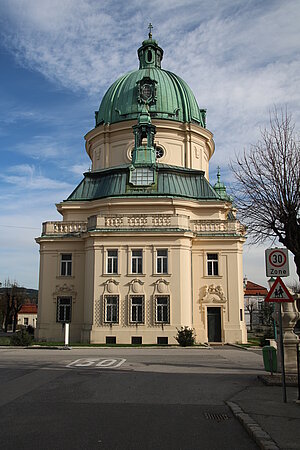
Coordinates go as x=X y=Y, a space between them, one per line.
x=97 y=363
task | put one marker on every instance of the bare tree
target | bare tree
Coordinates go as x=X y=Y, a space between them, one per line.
x=12 y=299
x=268 y=185
x=251 y=307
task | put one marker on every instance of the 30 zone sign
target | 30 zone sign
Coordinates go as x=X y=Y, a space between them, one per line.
x=277 y=262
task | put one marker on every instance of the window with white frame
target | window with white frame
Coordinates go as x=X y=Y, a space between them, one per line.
x=142 y=176
x=111 y=305
x=66 y=265
x=212 y=264
x=26 y=321
x=112 y=261
x=162 y=260
x=64 y=309
x=137 y=309
x=162 y=309
x=137 y=261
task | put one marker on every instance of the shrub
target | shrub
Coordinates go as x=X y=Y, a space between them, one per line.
x=21 y=338
x=30 y=330
x=185 y=336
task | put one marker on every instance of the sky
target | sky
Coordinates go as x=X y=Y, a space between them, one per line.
x=58 y=58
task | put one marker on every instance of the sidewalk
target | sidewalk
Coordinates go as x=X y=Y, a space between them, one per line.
x=272 y=423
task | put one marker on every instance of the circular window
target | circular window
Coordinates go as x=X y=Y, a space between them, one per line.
x=159 y=152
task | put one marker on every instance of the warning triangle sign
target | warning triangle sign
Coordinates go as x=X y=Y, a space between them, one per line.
x=279 y=293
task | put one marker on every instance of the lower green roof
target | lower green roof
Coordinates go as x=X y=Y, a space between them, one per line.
x=171 y=181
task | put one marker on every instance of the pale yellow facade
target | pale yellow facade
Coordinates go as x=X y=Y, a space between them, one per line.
x=195 y=229
x=184 y=144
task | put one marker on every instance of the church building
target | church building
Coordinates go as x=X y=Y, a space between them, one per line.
x=146 y=244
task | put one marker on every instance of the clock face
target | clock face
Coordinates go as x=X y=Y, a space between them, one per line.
x=146 y=91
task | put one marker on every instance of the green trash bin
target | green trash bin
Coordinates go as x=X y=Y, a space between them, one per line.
x=270 y=358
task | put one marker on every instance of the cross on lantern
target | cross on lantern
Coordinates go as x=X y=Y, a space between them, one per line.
x=150 y=27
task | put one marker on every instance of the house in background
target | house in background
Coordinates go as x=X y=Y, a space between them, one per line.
x=28 y=315
x=254 y=298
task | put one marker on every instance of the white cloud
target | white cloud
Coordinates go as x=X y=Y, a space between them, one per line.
x=79 y=169
x=27 y=178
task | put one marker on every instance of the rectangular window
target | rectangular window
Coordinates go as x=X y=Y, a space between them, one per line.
x=142 y=176
x=25 y=320
x=137 y=309
x=110 y=340
x=112 y=261
x=163 y=309
x=136 y=340
x=162 y=261
x=64 y=309
x=212 y=264
x=66 y=265
x=112 y=309
x=137 y=261
x=162 y=340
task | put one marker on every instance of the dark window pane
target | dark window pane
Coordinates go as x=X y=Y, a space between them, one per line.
x=212 y=256
x=63 y=269
x=165 y=265
x=159 y=266
x=209 y=269
x=215 y=267
x=66 y=257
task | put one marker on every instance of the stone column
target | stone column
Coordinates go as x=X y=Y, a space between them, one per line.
x=290 y=316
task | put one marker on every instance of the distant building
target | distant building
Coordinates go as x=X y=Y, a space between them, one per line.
x=146 y=244
x=28 y=315
x=254 y=297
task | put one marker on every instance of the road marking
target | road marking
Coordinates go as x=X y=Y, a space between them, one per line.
x=102 y=363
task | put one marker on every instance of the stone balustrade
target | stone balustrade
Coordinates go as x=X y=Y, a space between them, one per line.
x=139 y=221
x=120 y=221
x=217 y=227
x=60 y=227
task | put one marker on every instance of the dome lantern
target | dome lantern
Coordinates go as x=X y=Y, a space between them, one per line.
x=150 y=54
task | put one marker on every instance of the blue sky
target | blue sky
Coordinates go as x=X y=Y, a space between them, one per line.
x=58 y=57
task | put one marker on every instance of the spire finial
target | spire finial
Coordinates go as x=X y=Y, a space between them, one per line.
x=218 y=174
x=150 y=27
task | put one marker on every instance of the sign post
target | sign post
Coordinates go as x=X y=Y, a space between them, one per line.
x=280 y=294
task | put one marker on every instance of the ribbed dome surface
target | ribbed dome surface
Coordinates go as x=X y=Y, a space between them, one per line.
x=174 y=100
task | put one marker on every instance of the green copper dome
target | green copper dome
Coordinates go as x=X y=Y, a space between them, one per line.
x=166 y=94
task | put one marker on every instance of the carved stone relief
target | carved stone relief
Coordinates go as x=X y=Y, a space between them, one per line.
x=209 y=295
x=161 y=286
x=64 y=290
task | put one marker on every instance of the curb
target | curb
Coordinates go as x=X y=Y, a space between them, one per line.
x=245 y=348
x=262 y=439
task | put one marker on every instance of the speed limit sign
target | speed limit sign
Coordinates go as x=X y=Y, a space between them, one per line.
x=277 y=262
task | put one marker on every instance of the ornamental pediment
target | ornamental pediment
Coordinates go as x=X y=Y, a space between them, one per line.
x=212 y=294
x=64 y=290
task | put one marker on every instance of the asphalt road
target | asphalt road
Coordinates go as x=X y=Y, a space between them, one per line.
x=125 y=399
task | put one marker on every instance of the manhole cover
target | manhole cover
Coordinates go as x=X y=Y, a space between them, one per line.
x=215 y=416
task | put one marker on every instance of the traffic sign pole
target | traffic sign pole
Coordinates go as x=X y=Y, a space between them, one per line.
x=280 y=294
x=282 y=355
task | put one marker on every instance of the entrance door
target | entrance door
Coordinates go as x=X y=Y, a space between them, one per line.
x=214 y=324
